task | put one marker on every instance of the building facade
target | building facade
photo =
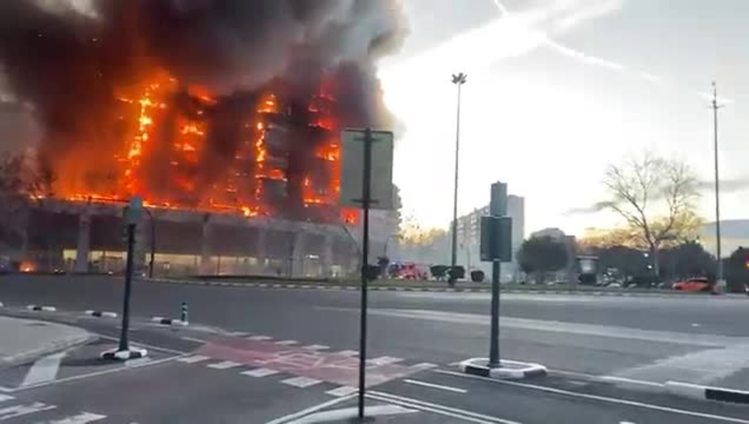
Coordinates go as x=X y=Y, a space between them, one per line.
x=469 y=238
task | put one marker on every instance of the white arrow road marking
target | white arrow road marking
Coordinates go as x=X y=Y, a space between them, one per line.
x=43 y=370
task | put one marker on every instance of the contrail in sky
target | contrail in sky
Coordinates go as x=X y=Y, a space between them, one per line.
x=605 y=63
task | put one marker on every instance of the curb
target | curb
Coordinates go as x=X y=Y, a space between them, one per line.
x=511 y=370
x=101 y=314
x=48 y=349
x=41 y=308
x=169 y=321
x=696 y=391
x=343 y=286
x=124 y=355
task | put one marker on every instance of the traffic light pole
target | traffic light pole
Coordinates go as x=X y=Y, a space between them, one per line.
x=365 y=201
x=124 y=346
x=123 y=352
x=494 y=358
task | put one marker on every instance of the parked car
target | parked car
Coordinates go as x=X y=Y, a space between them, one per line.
x=696 y=284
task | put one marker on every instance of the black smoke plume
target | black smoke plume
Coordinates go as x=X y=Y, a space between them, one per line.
x=66 y=60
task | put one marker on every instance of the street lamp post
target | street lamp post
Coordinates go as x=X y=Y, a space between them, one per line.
x=715 y=107
x=457 y=79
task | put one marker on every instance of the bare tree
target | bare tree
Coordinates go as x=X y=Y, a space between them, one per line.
x=656 y=197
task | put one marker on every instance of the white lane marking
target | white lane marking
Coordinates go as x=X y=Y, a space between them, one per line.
x=301 y=382
x=259 y=338
x=193 y=359
x=238 y=333
x=438 y=409
x=287 y=342
x=97 y=373
x=423 y=366
x=342 y=391
x=43 y=370
x=137 y=362
x=384 y=360
x=627 y=422
x=338 y=415
x=82 y=418
x=259 y=372
x=3 y=398
x=596 y=330
x=600 y=398
x=307 y=411
x=20 y=410
x=347 y=353
x=434 y=386
x=5 y=389
x=193 y=339
x=316 y=347
x=223 y=365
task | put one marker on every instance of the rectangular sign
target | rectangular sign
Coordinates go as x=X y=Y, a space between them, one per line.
x=352 y=169
x=496 y=239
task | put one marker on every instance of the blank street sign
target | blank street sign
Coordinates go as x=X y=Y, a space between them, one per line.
x=352 y=165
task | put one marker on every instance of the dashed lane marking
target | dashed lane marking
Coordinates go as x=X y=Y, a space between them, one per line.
x=82 y=418
x=259 y=372
x=342 y=391
x=193 y=359
x=223 y=365
x=287 y=342
x=301 y=382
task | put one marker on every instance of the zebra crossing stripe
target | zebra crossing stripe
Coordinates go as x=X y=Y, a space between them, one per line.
x=193 y=359
x=259 y=338
x=301 y=382
x=223 y=365
x=3 y=397
x=259 y=372
x=316 y=347
x=287 y=342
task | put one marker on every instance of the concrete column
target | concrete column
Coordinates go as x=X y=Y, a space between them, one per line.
x=261 y=251
x=206 y=264
x=298 y=253
x=142 y=247
x=326 y=259
x=83 y=246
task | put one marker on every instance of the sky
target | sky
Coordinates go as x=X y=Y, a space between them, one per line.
x=559 y=89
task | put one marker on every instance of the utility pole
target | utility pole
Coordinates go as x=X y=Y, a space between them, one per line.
x=458 y=79
x=716 y=106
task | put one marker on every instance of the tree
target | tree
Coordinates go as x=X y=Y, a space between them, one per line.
x=656 y=197
x=686 y=260
x=737 y=269
x=541 y=255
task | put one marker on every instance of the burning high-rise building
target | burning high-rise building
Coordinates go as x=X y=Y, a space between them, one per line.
x=220 y=106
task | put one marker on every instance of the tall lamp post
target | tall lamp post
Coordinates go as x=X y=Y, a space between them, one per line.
x=458 y=79
x=715 y=106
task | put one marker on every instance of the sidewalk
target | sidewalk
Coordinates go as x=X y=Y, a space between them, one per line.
x=23 y=340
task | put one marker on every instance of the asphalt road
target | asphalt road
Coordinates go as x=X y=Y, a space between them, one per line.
x=595 y=347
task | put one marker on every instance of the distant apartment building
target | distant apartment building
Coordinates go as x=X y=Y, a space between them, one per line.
x=469 y=238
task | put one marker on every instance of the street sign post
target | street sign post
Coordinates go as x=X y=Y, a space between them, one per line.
x=496 y=246
x=131 y=215
x=366 y=153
